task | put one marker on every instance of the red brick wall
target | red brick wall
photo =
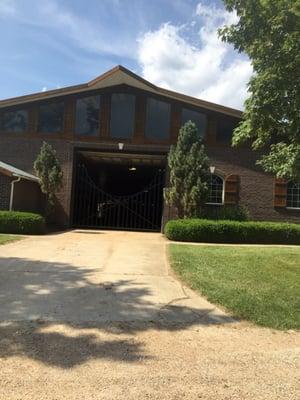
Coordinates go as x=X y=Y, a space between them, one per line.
x=4 y=192
x=22 y=152
x=256 y=187
x=28 y=197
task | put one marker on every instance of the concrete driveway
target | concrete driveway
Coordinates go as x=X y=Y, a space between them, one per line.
x=102 y=276
x=98 y=315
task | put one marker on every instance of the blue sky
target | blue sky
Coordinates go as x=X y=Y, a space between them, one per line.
x=47 y=44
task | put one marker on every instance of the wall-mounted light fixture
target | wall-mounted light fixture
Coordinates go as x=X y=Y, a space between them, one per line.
x=132 y=168
x=212 y=169
x=121 y=146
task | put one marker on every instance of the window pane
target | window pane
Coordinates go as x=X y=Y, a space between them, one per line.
x=198 y=118
x=293 y=195
x=157 y=119
x=51 y=118
x=122 y=115
x=215 y=193
x=14 y=121
x=225 y=129
x=87 y=116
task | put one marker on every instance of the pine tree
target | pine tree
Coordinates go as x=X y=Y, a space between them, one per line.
x=189 y=173
x=48 y=169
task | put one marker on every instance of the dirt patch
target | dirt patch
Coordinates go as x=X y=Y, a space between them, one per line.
x=130 y=361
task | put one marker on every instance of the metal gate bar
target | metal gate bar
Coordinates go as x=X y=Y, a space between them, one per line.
x=95 y=208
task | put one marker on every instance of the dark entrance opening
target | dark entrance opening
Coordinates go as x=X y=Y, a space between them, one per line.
x=118 y=191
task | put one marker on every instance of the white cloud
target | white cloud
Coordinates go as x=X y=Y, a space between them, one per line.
x=215 y=15
x=208 y=69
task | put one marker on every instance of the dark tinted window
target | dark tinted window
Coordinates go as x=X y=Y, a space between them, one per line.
x=157 y=119
x=87 y=116
x=225 y=129
x=198 y=118
x=122 y=115
x=14 y=121
x=51 y=118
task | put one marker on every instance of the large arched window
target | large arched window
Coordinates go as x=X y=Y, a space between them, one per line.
x=293 y=195
x=216 y=190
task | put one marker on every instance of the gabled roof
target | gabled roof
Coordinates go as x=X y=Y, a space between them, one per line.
x=12 y=171
x=117 y=76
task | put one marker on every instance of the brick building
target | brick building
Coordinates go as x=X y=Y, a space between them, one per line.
x=112 y=136
x=19 y=190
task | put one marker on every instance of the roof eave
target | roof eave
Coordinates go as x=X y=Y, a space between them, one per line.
x=6 y=170
x=89 y=86
x=28 y=178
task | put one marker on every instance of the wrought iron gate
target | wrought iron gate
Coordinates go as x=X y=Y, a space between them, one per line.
x=95 y=208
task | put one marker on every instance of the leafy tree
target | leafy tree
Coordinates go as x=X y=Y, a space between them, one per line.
x=268 y=31
x=189 y=173
x=48 y=169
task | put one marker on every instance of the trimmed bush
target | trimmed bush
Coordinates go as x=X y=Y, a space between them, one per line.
x=21 y=222
x=201 y=230
x=233 y=213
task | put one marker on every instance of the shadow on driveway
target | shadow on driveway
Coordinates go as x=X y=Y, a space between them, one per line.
x=61 y=315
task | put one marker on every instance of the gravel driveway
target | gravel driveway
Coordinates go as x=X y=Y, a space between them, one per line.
x=98 y=315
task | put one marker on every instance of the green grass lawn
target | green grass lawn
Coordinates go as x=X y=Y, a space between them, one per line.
x=259 y=284
x=8 y=238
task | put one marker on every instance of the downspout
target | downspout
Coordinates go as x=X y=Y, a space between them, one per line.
x=12 y=192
